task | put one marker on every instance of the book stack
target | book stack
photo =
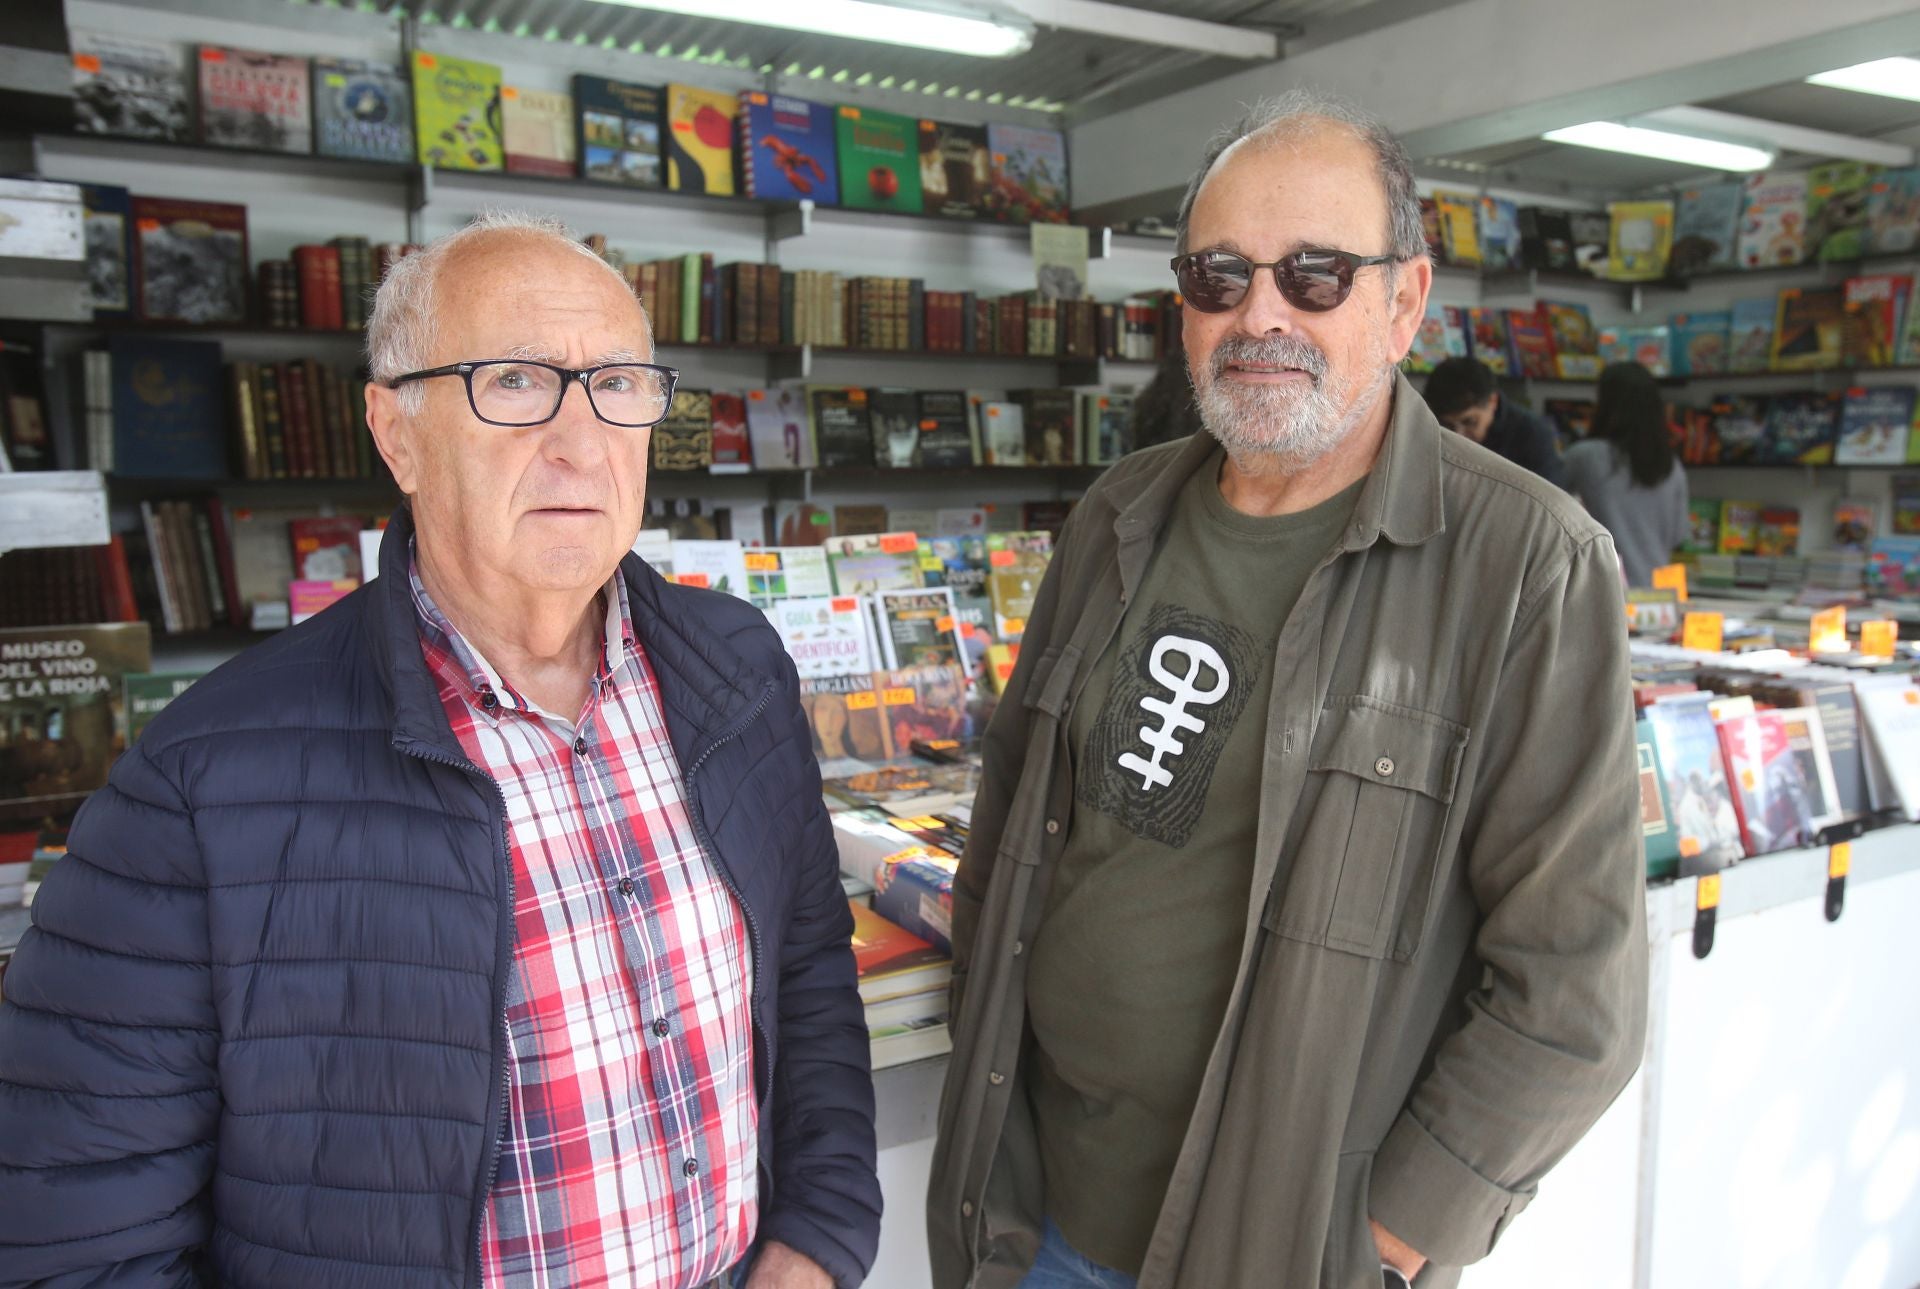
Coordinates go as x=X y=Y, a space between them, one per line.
x=903 y=982
x=63 y=585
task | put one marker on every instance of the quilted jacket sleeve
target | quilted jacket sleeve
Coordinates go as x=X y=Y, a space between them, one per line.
x=826 y=1201
x=108 y=1096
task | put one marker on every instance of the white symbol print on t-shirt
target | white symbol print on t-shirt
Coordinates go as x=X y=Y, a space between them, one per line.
x=1174 y=720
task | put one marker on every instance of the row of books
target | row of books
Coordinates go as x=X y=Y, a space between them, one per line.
x=1863 y=324
x=460 y=114
x=1866 y=426
x=832 y=427
x=1835 y=212
x=1740 y=758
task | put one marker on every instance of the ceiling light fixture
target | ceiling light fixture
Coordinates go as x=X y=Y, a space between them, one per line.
x=1890 y=77
x=952 y=29
x=1687 y=149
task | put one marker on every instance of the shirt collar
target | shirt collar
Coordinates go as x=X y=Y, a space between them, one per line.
x=483 y=682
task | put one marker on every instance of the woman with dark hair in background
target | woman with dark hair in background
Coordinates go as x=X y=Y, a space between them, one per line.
x=1626 y=473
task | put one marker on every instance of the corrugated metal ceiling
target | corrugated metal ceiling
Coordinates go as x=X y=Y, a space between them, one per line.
x=1062 y=69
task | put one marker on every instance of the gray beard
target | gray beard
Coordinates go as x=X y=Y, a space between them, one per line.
x=1268 y=428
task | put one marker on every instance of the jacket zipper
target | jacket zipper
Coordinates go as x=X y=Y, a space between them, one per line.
x=492 y=1144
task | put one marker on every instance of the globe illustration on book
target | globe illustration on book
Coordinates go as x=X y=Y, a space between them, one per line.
x=882 y=182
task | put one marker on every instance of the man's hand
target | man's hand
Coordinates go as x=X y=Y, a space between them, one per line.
x=1394 y=1253
x=779 y=1267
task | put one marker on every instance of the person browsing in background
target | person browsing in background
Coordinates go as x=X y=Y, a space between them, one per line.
x=1301 y=927
x=1465 y=395
x=485 y=929
x=1626 y=473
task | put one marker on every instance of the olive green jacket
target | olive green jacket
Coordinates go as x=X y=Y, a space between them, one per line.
x=1449 y=985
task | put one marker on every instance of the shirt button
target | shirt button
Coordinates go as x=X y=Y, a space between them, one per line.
x=1018 y=948
x=661 y=1029
x=1384 y=767
x=488 y=701
x=996 y=1078
x=966 y=1208
x=691 y=1168
x=626 y=886
x=579 y=747
x=1053 y=827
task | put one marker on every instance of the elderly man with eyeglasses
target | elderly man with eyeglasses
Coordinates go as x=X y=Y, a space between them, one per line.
x=1300 y=929
x=485 y=929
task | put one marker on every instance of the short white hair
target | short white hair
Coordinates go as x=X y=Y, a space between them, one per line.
x=403 y=325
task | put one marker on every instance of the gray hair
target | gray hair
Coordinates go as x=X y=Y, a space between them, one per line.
x=1301 y=112
x=403 y=325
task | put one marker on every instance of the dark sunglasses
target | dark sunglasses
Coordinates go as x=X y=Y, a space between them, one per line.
x=1312 y=280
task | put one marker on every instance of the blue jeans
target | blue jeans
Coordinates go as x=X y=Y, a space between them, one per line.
x=1060 y=1266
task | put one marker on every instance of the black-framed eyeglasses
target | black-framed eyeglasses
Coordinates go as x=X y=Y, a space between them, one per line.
x=1313 y=280
x=519 y=393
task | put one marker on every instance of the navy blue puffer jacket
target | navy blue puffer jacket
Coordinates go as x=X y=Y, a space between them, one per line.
x=255 y=1035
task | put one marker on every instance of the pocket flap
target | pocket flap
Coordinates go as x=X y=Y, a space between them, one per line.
x=1052 y=680
x=1391 y=745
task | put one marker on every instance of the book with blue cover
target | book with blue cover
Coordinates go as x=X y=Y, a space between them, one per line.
x=1706 y=228
x=362 y=110
x=169 y=408
x=1893 y=212
x=1801 y=428
x=1700 y=801
x=1750 y=345
x=1700 y=343
x=1499 y=235
x=1875 y=426
x=786 y=150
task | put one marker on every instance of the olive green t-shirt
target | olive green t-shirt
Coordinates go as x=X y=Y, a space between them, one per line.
x=1142 y=931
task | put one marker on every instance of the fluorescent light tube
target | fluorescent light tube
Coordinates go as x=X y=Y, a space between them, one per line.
x=949 y=31
x=1687 y=149
x=1892 y=77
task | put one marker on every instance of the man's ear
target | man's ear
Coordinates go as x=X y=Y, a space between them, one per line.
x=393 y=433
x=1408 y=308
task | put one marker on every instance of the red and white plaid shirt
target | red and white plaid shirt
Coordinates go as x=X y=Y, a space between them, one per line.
x=630 y=1155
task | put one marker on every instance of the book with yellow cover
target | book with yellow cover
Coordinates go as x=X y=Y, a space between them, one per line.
x=1640 y=240
x=456 y=113
x=699 y=139
x=1459 y=227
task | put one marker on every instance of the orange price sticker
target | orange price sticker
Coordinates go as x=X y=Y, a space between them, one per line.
x=1702 y=631
x=1827 y=633
x=1748 y=779
x=851 y=113
x=1879 y=638
x=897 y=697
x=1671 y=577
x=1689 y=847
x=691 y=579
x=1016 y=626
x=426 y=62
x=1839 y=859
x=846 y=604
x=899 y=543
x=510 y=93
x=1913 y=697
x=208 y=54
x=756 y=396
x=88 y=63
x=1708 y=894
x=147 y=225
x=762 y=563
x=944 y=624
x=863 y=702
x=1000 y=559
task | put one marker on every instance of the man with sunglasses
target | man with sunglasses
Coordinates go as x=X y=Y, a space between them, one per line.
x=486 y=929
x=1301 y=926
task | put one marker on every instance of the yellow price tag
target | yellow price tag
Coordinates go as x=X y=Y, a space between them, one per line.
x=761 y=562
x=897 y=697
x=1702 y=631
x=1879 y=638
x=1839 y=859
x=1707 y=895
x=1827 y=633
x=863 y=702
x=1671 y=577
x=1016 y=626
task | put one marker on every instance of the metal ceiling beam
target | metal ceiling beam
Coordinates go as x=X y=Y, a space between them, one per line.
x=1733 y=127
x=1149 y=28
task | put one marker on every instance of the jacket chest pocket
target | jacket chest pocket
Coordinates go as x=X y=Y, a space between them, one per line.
x=1381 y=784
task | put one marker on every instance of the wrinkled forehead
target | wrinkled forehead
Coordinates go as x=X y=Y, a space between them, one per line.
x=525 y=299
x=1303 y=184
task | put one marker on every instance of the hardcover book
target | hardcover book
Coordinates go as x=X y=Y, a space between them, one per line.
x=1104 y=418
x=1531 y=337
x=1546 y=238
x=362 y=110
x=326 y=548
x=788 y=573
x=1706 y=228
x=946 y=436
x=825 y=635
x=787 y=149
x=842 y=434
x=190 y=261
x=1773 y=220
x=1771 y=797
x=1576 y=345
x=1876 y=426
x=618 y=131
x=879 y=159
x=456 y=113
x=1048 y=420
x=874 y=562
x=63 y=706
x=777 y=424
x=1837 y=209
x=169 y=408
x=537 y=132
x=1700 y=343
x=1870 y=327
x=684 y=440
x=699 y=139
x=1800 y=429
x=1807 y=328
x=1030 y=182
x=1458 y=213
x=1706 y=827
x=1488 y=333
x=1442 y=335
x=1893 y=212
x=894 y=415
x=132 y=86
x=1641 y=240
x=1751 y=345
x=254 y=100
x=732 y=450
x=713 y=564
x=1659 y=844
x=108 y=212
x=956 y=169
x=1499 y=235
x=1003 y=436
x=1740 y=428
